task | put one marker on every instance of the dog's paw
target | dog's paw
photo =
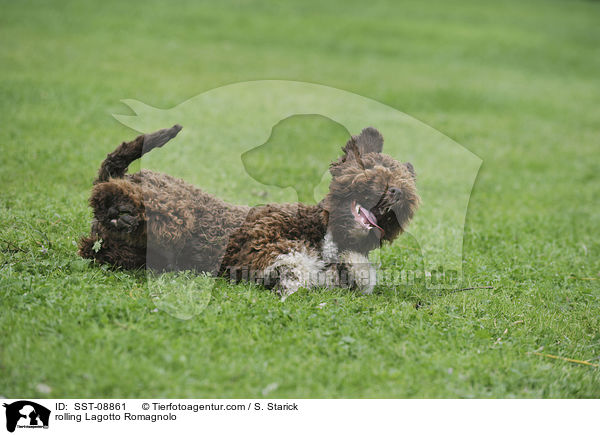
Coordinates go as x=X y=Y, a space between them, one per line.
x=360 y=273
x=123 y=218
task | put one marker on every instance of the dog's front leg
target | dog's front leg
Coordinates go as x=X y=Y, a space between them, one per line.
x=357 y=272
x=289 y=283
x=293 y=270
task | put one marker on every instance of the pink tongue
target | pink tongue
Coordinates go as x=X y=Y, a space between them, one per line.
x=371 y=218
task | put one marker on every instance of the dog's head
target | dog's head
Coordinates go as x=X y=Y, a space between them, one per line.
x=372 y=197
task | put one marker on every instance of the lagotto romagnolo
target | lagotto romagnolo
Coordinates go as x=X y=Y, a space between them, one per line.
x=153 y=220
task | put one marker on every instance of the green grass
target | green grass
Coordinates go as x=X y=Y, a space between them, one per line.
x=514 y=82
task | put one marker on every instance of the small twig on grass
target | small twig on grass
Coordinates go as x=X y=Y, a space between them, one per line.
x=585 y=279
x=499 y=339
x=11 y=247
x=449 y=291
x=446 y=292
x=562 y=358
x=471 y=288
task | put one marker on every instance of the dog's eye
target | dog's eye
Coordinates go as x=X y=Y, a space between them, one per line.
x=395 y=192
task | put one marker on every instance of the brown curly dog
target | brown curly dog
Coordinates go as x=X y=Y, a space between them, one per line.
x=153 y=220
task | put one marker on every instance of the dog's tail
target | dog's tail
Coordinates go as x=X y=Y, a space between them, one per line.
x=116 y=163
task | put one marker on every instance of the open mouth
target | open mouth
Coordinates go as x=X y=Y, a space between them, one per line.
x=364 y=217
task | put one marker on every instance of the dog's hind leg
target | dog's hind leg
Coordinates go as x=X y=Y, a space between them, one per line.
x=118 y=206
x=118 y=235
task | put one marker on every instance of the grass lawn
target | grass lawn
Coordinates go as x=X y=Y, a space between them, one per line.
x=517 y=83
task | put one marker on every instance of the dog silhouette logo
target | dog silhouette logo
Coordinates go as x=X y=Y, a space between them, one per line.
x=26 y=414
x=272 y=141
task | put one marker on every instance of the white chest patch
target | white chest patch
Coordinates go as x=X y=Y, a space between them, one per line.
x=329 y=250
x=361 y=273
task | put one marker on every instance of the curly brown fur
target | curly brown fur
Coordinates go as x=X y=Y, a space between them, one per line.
x=154 y=220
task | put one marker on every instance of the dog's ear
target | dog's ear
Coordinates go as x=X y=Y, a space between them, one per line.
x=369 y=141
x=351 y=151
x=411 y=169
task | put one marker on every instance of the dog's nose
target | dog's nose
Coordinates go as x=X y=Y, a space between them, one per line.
x=395 y=193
